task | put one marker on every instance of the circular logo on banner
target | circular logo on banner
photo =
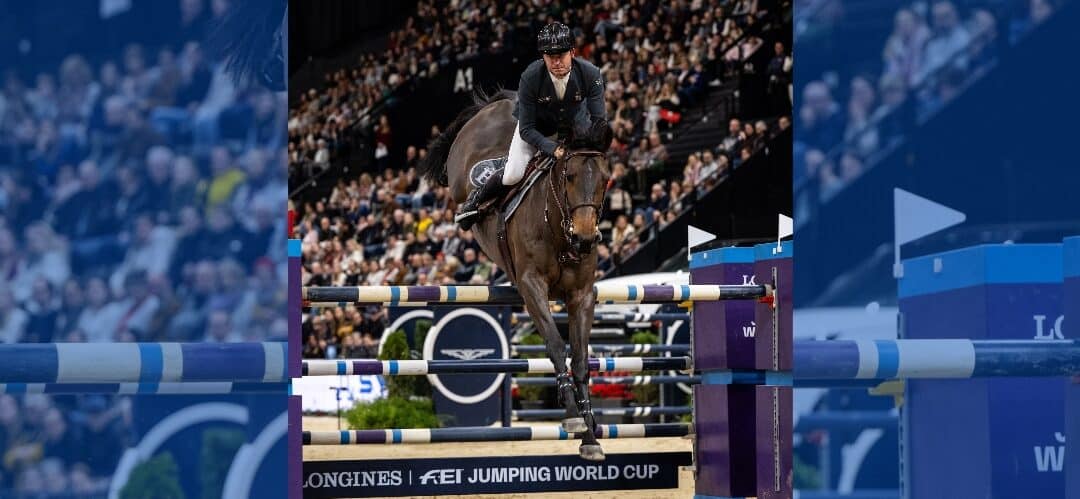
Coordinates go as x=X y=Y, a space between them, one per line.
x=405 y=322
x=466 y=334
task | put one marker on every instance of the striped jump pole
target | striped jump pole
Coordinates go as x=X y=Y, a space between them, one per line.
x=607 y=411
x=417 y=367
x=934 y=359
x=487 y=434
x=742 y=378
x=613 y=348
x=143 y=363
x=508 y=295
x=191 y=388
x=615 y=317
x=618 y=380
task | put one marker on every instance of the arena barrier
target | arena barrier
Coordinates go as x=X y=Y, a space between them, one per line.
x=418 y=367
x=486 y=434
x=507 y=295
x=142 y=363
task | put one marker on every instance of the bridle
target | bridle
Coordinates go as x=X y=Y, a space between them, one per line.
x=557 y=183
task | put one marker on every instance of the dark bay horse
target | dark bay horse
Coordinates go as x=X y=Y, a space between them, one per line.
x=551 y=237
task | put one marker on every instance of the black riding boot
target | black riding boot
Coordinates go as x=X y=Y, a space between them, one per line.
x=469 y=212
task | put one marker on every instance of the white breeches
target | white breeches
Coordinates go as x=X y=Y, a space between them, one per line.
x=517 y=159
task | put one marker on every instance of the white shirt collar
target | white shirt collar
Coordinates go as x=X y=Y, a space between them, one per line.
x=562 y=80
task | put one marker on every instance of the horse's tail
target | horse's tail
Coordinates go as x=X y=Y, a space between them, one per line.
x=433 y=167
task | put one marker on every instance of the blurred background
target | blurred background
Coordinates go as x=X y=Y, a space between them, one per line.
x=142 y=187
x=959 y=101
x=963 y=102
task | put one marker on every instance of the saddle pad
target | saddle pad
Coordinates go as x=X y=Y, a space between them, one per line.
x=542 y=167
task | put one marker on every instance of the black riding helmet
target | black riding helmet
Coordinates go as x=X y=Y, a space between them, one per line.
x=554 y=38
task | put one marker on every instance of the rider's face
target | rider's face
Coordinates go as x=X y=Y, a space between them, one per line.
x=559 y=64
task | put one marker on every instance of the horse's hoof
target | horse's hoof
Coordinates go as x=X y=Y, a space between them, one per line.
x=574 y=425
x=591 y=452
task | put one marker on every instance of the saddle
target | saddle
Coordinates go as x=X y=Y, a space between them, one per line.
x=505 y=206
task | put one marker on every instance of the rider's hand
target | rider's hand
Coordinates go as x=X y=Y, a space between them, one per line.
x=560 y=152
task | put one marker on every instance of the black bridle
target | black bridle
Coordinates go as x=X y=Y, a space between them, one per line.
x=559 y=194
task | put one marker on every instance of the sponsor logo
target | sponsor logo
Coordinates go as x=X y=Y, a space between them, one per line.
x=484 y=170
x=467 y=353
x=1051 y=458
x=1055 y=332
x=449 y=476
x=385 y=478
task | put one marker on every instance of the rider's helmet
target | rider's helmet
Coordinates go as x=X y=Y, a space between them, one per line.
x=554 y=38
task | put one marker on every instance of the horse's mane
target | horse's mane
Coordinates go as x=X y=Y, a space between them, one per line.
x=597 y=137
x=433 y=167
x=244 y=36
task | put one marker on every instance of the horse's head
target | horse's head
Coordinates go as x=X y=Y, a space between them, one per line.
x=585 y=174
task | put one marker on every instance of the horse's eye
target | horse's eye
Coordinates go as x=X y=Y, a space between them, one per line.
x=570 y=177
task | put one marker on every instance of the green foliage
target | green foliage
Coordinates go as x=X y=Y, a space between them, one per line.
x=156 y=478
x=645 y=394
x=396 y=347
x=393 y=413
x=532 y=392
x=806 y=476
x=644 y=337
x=218 y=449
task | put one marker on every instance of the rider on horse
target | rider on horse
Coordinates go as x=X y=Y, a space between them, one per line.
x=558 y=95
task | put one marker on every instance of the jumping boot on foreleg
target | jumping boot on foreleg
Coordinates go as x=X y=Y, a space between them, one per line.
x=573 y=422
x=590 y=448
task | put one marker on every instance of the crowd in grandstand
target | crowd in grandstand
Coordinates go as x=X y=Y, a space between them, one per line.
x=140 y=200
x=389 y=227
x=934 y=50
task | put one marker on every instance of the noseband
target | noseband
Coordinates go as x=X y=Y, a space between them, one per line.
x=562 y=202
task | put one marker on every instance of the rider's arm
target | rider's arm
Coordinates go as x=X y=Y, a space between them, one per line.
x=595 y=101
x=527 y=117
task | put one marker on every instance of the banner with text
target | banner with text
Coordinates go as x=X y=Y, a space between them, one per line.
x=491 y=475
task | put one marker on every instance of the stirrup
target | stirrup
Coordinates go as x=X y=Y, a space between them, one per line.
x=458 y=218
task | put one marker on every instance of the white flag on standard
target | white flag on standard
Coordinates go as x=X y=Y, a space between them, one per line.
x=915 y=217
x=695 y=237
x=785 y=227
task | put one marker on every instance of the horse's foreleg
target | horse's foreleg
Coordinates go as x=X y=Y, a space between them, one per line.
x=580 y=308
x=534 y=291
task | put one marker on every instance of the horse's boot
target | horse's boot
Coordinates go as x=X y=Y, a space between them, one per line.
x=469 y=212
